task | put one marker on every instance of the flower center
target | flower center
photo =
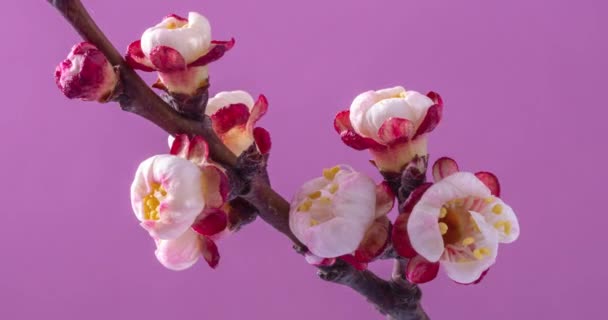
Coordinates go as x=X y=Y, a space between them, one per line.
x=320 y=200
x=453 y=222
x=174 y=25
x=151 y=201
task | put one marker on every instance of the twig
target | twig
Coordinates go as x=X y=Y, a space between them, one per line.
x=399 y=300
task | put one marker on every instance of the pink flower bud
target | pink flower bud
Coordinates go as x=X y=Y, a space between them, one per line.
x=331 y=214
x=456 y=222
x=234 y=115
x=180 y=50
x=86 y=74
x=393 y=123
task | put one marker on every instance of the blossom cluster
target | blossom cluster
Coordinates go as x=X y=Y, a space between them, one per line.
x=183 y=199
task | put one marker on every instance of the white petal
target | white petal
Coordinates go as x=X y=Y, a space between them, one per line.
x=192 y=40
x=334 y=238
x=356 y=198
x=358 y=111
x=503 y=219
x=424 y=233
x=226 y=98
x=456 y=186
x=181 y=253
x=469 y=271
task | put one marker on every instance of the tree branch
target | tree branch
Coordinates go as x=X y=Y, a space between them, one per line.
x=397 y=299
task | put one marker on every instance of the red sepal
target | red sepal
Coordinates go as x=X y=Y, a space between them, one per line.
x=433 y=115
x=352 y=260
x=210 y=252
x=180 y=146
x=395 y=130
x=414 y=197
x=262 y=140
x=198 y=152
x=213 y=223
x=342 y=121
x=218 y=49
x=136 y=58
x=229 y=117
x=357 y=142
x=385 y=199
x=401 y=239
x=490 y=180
x=258 y=110
x=167 y=59
x=375 y=241
x=444 y=167
x=419 y=270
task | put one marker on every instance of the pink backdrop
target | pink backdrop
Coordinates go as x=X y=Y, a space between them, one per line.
x=523 y=82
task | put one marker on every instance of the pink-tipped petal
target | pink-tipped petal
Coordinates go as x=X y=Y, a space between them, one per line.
x=198 y=151
x=444 y=167
x=136 y=58
x=385 y=199
x=400 y=238
x=262 y=140
x=357 y=142
x=433 y=115
x=257 y=112
x=210 y=252
x=490 y=180
x=375 y=241
x=218 y=49
x=180 y=146
x=342 y=121
x=412 y=200
x=174 y=16
x=216 y=186
x=229 y=117
x=352 y=260
x=419 y=270
x=396 y=130
x=167 y=59
x=214 y=222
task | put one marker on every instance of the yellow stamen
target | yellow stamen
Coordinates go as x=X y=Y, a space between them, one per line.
x=504 y=225
x=330 y=174
x=443 y=228
x=171 y=26
x=315 y=195
x=313 y=222
x=480 y=252
x=488 y=200
x=305 y=206
x=151 y=203
x=497 y=209
x=325 y=200
x=333 y=188
x=468 y=241
x=443 y=212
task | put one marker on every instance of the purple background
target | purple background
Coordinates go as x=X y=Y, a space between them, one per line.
x=522 y=81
